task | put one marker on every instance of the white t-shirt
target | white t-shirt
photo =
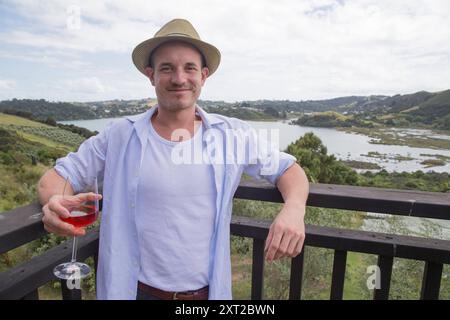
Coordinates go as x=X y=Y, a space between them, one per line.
x=175 y=217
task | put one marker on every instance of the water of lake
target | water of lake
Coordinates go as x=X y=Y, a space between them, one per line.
x=349 y=146
x=345 y=146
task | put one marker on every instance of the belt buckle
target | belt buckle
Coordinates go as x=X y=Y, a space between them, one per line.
x=174 y=296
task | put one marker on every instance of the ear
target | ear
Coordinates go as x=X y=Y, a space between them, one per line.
x=150 y=73
x=205 y=73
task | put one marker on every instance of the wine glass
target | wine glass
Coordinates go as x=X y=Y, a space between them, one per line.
x=81 y=215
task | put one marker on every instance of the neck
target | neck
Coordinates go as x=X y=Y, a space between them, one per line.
x=166 y=121
x=179 y=119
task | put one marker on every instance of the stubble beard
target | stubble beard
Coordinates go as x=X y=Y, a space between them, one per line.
x=175 y=105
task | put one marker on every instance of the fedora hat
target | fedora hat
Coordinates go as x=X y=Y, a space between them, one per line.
x=175 y=30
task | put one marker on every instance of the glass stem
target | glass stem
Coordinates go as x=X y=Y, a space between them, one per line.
x=74 y=249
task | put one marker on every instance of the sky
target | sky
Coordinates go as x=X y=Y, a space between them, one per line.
x=282 y=50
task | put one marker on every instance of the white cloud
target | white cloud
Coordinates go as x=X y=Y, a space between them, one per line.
x=284 y=49
x=85 y=85
x=47 y=57
x=7 y=84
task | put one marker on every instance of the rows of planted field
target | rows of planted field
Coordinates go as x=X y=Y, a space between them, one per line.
x=51 y=133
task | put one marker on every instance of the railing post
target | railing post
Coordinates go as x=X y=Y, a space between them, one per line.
x=258 y=269
x=385 y=265
x=95 y=263
x=295 y=285
x=69 y=294
x=337 y=282
x=431 y=282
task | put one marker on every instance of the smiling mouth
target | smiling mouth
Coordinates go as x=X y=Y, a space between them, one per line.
x=179 y=90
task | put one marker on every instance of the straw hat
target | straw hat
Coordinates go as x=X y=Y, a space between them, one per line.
x=176 y=30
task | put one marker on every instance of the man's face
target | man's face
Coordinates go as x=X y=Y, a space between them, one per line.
x=177 y=75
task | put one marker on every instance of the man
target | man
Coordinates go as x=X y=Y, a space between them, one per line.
x=165 y=224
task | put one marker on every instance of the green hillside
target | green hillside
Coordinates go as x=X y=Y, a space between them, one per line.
x=27 y=149
x=7 y=119
x=42 y=109
x=50 y=136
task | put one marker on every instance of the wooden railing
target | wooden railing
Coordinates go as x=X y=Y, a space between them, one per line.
x=22 y=225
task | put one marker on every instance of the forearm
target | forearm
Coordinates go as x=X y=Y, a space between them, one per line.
x=52 y=183
x=294 y=187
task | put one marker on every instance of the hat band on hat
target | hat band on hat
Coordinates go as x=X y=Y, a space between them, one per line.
x=150 y=57
x=177 y=34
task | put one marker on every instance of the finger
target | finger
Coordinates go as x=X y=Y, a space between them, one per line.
x=281 y=253
x=278 y=255
x=76 y=200
x=300 y=245
x=51 y=229
x=90 y=196
x=268 y=239
x=79 y=231
x=51 y=220
x=58 y=226
x=57 y=208
x=57 y=232
x=274 y=244
x=285 y=241
x=292 y=248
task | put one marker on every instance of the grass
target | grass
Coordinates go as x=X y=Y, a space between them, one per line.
x=33 y=131
x=47 y=142
x=361 y=164
x=384 y=136
x=399 y=157
x=241 y=266
x=433 y=163
x=383 y=156
x=375 y=154
x=437 y=156
x=355 y=285
x=18 y=188
x=7 y=119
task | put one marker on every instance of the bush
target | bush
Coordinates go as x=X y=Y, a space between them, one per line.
x=46 y=155
x=312 y=155
x=6 y=159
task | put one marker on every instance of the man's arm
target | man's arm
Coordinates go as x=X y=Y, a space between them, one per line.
x=52 y=183
x=87 y=161
x=50 y=192
x=287 y=232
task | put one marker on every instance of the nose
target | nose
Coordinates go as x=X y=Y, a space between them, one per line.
x=178 y=77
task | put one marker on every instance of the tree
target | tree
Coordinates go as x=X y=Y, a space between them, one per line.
x=312 y=155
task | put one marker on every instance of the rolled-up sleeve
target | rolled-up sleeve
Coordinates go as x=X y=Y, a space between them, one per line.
x=266 y=161
x=87 y=162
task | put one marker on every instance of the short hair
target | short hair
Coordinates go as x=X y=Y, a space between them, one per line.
x=150 y=58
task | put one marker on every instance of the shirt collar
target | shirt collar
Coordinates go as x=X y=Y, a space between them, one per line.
x=141 y=121
x=209 y=119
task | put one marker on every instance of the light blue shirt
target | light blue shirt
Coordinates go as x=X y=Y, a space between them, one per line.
x=175 y=213
x=116 y=156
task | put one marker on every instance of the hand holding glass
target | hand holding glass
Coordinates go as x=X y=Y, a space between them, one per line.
x=81 y=215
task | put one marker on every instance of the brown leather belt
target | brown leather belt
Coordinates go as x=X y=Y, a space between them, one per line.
x=200 y=294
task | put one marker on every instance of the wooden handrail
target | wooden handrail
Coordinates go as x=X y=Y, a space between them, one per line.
x=22 y=225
